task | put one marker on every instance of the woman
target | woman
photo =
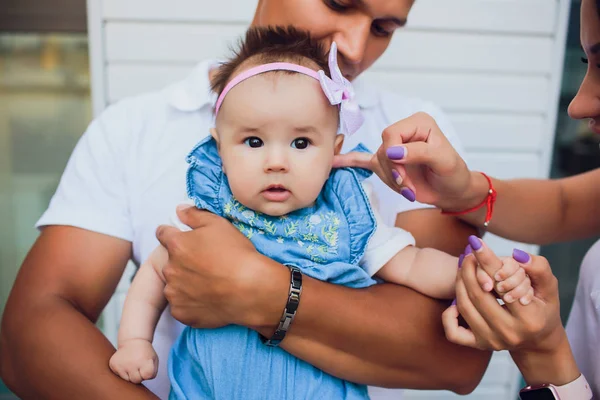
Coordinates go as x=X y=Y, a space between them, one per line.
x=535 y=211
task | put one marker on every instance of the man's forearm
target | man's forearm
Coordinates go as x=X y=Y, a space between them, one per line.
x=385 y=335
x=59 y=354
x=431 y=229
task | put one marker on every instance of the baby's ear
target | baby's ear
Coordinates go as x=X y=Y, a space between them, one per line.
x=214 y=134
x=339 y=142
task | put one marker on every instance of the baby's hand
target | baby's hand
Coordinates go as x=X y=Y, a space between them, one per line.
x=512 y=283
x=135 y=361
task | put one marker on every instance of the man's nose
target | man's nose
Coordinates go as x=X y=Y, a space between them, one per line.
x=352 y=40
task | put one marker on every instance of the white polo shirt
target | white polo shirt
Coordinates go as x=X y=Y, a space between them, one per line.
x=127 y=173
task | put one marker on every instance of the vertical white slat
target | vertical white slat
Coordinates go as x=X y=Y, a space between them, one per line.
x=96 y=54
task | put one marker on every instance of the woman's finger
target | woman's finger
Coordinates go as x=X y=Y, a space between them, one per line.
x=477 y=324
x=456 y=333
x=496 y=317
x=356 y=159
x=489 y=261
x=486 y=283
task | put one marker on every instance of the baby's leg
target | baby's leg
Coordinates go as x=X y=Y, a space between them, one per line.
x=512 y=282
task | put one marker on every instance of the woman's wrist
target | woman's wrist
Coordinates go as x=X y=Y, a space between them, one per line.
x=477 y=190
x=556 y=366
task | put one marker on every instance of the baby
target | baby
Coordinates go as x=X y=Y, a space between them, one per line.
x=267 y=167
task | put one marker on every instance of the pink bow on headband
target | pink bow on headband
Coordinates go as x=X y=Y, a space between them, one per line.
x=339 y=90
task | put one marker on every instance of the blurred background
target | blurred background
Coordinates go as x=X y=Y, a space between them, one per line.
x=45 y=99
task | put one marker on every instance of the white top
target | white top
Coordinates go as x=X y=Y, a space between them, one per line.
x=127 y=173
x=583 y=327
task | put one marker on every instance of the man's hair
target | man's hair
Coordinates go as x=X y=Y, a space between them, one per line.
x=263 y=45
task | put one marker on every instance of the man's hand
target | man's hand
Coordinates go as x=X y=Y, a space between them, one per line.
x=214 y=274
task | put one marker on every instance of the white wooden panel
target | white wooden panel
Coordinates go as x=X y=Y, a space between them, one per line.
x=505 y=165
x=525 y=16
x=500 y=132
x=470 y=92
x=457 y=92
x=160 y=42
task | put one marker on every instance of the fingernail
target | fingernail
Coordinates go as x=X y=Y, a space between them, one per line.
x=508 y=298
x=397 y=177
x=488 y=287
x=453 y=302
x=497 y=277
x=524 y=301
x=182 y=207
x=460 y=260
x=468 y=249
x=520 y=256
x=500 y=288
x=408 y=194
x=475 y=242
x=395 y=152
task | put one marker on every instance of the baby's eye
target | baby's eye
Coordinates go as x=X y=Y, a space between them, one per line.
x=300 y=143
x=254 y=142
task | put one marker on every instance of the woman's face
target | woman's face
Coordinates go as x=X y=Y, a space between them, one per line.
x=362 y=29
x=586 y=103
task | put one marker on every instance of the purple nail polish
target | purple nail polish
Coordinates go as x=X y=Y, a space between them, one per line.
x=453 y=302
x=521 y=256
x=395 y=153
x=475 y=242
x=468 y=249
x=408 y=194
x=460 y=260
x=395 y=174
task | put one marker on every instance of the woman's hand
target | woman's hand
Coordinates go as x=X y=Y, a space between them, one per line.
x=533 y=333
x=215 y=276
x=417 y=161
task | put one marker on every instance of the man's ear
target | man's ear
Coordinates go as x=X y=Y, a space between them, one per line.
x=339 y=142
x=215 y=135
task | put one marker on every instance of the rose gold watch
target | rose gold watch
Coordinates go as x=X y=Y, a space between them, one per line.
x=579 y=389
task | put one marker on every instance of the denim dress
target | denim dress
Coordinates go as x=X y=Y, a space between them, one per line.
x=325 y=241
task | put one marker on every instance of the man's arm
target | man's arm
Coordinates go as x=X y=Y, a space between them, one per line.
x=383 y=335
x=50 y=347
x=432 y=229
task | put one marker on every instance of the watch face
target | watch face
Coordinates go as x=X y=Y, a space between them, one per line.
x=538 y=394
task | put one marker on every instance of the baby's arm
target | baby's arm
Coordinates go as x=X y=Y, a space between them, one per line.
x=135 y=359
x=428 y=271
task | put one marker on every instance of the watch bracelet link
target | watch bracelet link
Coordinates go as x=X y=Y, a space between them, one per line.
x=289 y=312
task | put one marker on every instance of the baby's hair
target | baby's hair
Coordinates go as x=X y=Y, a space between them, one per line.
x=264 y=45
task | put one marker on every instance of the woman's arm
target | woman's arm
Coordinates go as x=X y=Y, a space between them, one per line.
x=537 y=211
x=392 y=335
x=50 y=346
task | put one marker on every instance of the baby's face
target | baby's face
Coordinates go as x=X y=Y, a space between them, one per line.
x=277 y=136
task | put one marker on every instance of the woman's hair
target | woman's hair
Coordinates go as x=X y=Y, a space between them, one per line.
x=264 y=45
x=598 y=7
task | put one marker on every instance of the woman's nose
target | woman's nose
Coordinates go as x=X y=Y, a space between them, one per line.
x=586 y=103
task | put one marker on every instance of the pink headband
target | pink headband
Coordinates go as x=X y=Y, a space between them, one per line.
x=337 y=89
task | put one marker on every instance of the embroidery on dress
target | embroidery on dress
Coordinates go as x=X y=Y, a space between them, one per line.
x=317 y=234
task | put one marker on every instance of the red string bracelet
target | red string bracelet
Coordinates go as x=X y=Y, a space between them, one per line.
x=489 y=201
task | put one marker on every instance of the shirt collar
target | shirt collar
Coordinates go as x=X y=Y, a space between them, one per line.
x=193 y=92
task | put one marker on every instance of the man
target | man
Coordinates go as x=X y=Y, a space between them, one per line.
x=125 y=178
